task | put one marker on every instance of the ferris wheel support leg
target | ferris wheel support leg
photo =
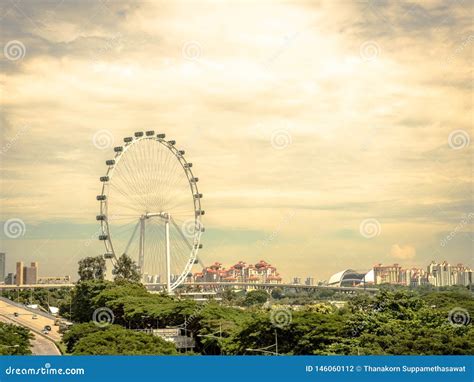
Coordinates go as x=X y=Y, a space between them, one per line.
x=168 y=256
x=141 y=250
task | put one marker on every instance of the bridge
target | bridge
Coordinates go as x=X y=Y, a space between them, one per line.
x=214 y=286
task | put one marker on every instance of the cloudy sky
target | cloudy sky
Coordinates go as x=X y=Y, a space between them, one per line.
x=326 y=135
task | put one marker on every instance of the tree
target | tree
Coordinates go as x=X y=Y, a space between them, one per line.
x=14 y=340
x=82 y=299
x=126 y=269
x=92 y=268
x=277 y=293
x=256 y=297
x=115 y=339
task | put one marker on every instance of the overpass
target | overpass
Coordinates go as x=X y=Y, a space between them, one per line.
x=214 y=286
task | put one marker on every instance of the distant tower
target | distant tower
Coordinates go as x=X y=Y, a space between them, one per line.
x=2 y=267
x=19 y=273
x=31 y=274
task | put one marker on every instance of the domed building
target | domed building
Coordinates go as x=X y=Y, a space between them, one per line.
x=350 y=278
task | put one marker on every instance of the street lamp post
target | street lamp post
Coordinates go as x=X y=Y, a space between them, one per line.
x=265 y=349
x=213 y=335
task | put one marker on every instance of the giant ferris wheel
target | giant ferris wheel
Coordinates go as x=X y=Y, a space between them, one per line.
x=150 y=209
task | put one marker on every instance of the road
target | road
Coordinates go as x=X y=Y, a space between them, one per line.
x=42 y=344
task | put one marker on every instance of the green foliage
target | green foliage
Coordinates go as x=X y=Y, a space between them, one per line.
x=393 y=321
x=255 y=297
x=41 y=296
x=126 y=269
x=82 y=306
x=92 y=268
x=14 y=340
x=277 y=293
x=89 y=339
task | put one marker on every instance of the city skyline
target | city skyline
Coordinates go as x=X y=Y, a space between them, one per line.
x=304 y=158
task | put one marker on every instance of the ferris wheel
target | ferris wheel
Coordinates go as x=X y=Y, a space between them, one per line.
x=150 y=209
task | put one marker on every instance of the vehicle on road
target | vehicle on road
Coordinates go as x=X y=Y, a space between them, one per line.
x=64 y=326
x=34 y=316
x=16 y=314
x=47 y=328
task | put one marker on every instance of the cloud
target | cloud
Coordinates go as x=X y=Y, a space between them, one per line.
x=369 y=138
x=403 y=252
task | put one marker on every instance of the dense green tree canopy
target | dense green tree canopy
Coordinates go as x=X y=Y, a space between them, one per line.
x=14 y=340
x=89 y=339
x=393 y=321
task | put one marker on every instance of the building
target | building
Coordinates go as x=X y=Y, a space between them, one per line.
x=309 y=281
x=10 y=279
x=26 y=275
x=30 y=274
x=347 y=278
x=19 y=273
x=261 y=272
x=2 y=267
x=445 y=274
x=387 y=274
x=54 y=280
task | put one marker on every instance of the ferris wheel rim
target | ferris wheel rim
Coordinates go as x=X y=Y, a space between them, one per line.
x=192 y=182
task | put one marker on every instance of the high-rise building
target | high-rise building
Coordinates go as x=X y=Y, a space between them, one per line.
x=2 y=267
x=387 y=274
x=445 y=274
x=30 y=274
x=19 y=273
x=309 y=281
x=26 y=275
x=10 y=279
x=296 y=280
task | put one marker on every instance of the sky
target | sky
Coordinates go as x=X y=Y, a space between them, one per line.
x=326 y=135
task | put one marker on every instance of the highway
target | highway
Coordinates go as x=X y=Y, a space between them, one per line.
x=43 y=344
x=40 y=345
